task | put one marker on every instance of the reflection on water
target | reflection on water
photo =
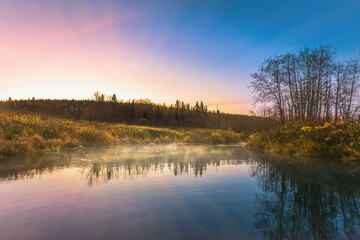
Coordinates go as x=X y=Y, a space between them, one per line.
x=178 y=191
x=306 y=200
x=126 y=162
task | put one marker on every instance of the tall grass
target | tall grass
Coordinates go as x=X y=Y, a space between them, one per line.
x=23 y=134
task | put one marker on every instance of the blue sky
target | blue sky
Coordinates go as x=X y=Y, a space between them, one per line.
x=162 y=50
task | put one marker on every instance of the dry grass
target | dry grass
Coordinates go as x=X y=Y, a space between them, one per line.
x=24 y=134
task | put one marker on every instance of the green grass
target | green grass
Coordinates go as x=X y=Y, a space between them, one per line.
x=340 y=140
x=24 y=134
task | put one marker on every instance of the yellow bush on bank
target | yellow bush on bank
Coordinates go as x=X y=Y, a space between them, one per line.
x=327 y=140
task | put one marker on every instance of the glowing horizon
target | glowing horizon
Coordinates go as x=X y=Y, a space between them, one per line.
x=159 y=51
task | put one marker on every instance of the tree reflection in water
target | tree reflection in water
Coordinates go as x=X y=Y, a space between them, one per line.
x=302 y=199
x=295 y=199
x=187 y=160
x=104 y=164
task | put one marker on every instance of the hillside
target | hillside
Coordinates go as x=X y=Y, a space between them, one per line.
x=140 y=112
x=24 y=134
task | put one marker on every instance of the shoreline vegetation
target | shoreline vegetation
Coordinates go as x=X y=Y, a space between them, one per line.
x=334 y=140
x=315 y=97
x=25 y=134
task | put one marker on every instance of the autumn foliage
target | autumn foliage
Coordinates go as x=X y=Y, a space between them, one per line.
x=327 y=140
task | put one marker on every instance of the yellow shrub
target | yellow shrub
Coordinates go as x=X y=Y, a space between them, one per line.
x=90 y=136
x=306 y=129
x=216 y=138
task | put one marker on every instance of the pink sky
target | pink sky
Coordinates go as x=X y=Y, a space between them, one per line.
x=47 y=52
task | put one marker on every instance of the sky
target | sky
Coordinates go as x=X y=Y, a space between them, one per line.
x=160 y=50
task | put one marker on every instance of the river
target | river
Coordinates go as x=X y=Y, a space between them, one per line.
x=177 y=191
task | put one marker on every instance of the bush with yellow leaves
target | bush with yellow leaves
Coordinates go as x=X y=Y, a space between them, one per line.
x=326 y=140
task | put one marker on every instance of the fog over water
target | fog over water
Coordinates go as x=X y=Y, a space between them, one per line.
x=177 y=191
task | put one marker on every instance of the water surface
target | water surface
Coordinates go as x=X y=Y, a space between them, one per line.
x=177 y=192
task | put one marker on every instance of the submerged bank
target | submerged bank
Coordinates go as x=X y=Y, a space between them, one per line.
x=24 y=134
x=340 y=140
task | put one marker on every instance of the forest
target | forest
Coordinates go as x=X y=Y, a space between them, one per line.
x=103 y=108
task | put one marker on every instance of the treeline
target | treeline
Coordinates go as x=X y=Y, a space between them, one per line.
x=308 y=85
x=104 y=108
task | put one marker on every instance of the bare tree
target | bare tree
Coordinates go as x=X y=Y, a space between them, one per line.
x=308 y=85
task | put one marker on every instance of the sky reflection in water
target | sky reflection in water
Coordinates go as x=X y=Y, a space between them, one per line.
x=176 y=192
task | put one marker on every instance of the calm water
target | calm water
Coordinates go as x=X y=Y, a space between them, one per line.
x=177 y=192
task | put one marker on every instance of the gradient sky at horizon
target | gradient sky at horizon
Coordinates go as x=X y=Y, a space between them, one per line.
x=161 y=50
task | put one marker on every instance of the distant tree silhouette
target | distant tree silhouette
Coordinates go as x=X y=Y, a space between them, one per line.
x=114 y=98
x=102 y=98
x=201 y=106
x=141 y=111
x=197 y=106
x=96 y=96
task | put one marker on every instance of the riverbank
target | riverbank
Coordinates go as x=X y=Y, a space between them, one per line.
x=25 y=134
x=340 y=140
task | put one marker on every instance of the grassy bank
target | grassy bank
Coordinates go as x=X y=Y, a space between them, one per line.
x=329 y=140
x=24 y=134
